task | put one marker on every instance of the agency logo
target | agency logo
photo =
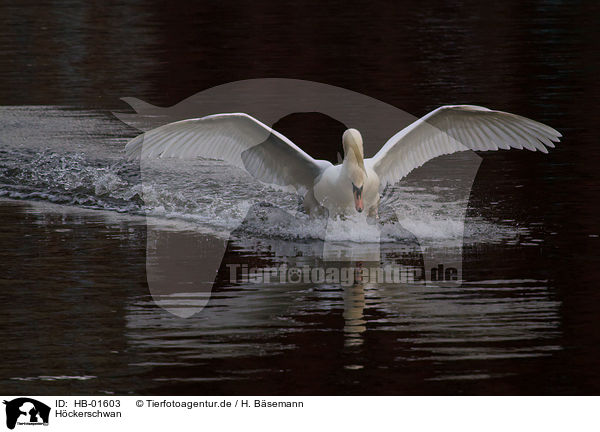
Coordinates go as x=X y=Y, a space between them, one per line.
x=26 y=411
x=357 y=210
x=181 y=286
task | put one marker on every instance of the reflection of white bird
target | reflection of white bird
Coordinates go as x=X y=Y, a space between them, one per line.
x=356 y=183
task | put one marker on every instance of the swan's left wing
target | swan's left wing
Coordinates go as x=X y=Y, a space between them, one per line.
x=238 y=139
x=455 y=128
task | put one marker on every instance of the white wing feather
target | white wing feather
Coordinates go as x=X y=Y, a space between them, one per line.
x=455 y=128
x=238 y=139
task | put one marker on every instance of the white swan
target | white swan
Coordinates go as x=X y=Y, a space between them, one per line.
x=356 y=183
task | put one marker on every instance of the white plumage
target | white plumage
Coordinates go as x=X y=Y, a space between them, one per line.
x=355 y=184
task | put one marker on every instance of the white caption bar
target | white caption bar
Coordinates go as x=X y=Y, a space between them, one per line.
x=160 y=413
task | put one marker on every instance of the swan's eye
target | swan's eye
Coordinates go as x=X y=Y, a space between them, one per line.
x=357 y=190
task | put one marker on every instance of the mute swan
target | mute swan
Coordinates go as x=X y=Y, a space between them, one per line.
x=355 y=184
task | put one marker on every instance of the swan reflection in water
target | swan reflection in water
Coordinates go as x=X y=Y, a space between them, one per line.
x=472 y=320
x=354 y=306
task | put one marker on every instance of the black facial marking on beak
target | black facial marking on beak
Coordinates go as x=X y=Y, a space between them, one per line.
x=357 y=192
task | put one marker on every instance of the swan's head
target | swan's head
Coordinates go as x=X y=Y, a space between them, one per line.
x=354 y=165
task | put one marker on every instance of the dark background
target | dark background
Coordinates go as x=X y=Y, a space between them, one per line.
x=537 y=59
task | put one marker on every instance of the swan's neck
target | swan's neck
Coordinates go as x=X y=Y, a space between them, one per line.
x=351 y=170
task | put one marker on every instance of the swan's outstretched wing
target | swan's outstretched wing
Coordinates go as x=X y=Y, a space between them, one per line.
x=455 y=128
x=236 y=138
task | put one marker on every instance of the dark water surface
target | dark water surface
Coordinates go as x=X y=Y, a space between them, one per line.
x=76 y=312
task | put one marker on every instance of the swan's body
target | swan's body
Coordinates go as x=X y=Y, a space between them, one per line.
x=355 y=184
x=350 y=186
x=334 y=191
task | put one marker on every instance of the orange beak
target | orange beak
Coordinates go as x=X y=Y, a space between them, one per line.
x=358 y=200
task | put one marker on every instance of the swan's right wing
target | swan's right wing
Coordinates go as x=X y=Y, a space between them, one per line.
x=238 y=139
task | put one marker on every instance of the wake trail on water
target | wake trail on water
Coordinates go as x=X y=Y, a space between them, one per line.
x=42 y=159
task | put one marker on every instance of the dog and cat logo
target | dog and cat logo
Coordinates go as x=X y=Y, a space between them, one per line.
x=26 y=411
